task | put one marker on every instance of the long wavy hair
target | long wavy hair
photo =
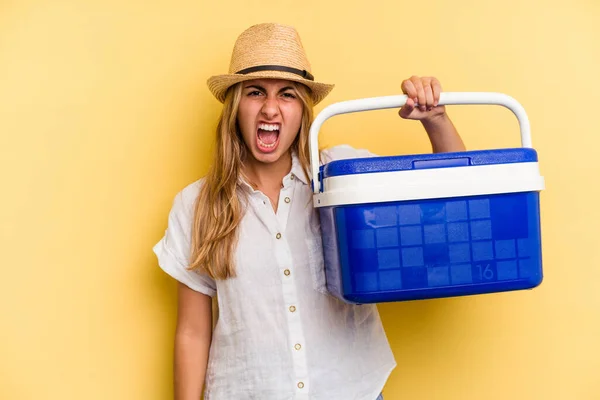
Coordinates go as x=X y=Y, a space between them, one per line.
x=221 y=203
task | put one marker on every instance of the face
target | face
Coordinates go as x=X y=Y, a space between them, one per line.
x=269 y=117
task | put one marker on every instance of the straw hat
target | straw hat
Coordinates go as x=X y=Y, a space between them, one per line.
x=268 y=51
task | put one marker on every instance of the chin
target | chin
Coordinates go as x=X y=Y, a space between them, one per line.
x=268 y=158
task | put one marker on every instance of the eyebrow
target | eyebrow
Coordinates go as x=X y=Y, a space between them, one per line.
x=262 y=89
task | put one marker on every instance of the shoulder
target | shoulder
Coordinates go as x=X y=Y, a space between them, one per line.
x=185 y=199
x=342 y=152
x=174 y=248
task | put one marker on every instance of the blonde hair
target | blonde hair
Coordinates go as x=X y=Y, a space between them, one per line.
x=220 y=205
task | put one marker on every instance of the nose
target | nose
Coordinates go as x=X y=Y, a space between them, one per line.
x=270 y=108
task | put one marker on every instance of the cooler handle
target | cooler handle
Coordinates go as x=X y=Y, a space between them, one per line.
x=380 y=103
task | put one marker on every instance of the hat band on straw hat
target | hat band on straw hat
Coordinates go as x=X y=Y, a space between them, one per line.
x=303 y=73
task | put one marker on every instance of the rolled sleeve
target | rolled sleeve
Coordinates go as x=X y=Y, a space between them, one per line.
x=173 y=250
x=343 y=152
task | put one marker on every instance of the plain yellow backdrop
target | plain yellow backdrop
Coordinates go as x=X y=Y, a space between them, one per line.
x=105 y=115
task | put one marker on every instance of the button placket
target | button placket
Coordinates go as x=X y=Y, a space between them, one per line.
x=283 y=208
x=293 y=312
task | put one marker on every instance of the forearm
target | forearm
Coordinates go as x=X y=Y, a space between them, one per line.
x=190 y=365
x=442 y=134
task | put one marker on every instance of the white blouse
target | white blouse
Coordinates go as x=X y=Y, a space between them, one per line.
x=280 y=335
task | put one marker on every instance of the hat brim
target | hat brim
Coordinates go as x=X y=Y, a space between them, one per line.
x=219 y=84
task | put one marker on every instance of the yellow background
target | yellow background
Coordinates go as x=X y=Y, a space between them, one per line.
x=105 y=115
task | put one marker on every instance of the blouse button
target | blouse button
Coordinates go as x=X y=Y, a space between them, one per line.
x=300 y=385
x=292 y=308
x=297 y=346
x=278 y=236
x=286 y=272
x=287 y=200
x=292 y=177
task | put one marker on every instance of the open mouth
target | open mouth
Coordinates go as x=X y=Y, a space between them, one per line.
x=267 y=137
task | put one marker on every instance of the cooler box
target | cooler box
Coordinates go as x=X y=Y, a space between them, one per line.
x=429 y=226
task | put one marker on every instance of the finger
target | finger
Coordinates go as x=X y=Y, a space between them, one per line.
x=407 y=108
x=437 y=90
x=421 y=98
x=428 y=95
x=408 y=88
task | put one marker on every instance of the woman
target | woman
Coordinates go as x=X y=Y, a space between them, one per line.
x=247 y=233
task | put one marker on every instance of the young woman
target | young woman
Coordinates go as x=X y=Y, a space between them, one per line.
x=247 y=233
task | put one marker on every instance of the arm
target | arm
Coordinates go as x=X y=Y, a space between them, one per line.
x=442 y=134
x=192 y=342
x=425 y=94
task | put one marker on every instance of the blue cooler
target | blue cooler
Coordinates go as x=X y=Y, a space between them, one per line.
x=433 y=225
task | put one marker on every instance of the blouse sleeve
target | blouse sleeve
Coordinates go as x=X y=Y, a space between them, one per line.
x=173 y=250
x=343 y=152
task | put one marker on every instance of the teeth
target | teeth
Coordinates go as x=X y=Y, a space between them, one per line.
x=268 y=127
x=263 y=144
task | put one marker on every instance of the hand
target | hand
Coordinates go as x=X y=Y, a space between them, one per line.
x=423 y=93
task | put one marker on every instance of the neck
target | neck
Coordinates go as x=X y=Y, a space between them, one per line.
x=267 y=176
